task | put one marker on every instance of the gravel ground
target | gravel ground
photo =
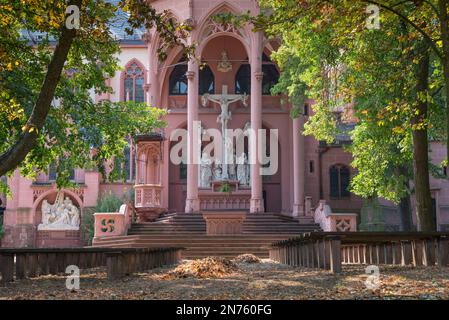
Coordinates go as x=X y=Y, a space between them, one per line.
x=266 y=280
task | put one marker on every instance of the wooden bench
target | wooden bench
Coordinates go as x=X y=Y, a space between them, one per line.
x=329 y=250
x=26 y=262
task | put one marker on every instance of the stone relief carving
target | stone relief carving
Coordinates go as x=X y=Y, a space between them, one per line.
x=62 y=215
x=224 y=65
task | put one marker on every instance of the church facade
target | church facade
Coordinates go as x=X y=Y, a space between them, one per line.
x=229 y=87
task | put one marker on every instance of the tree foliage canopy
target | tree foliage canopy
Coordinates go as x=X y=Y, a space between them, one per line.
x=49 y=74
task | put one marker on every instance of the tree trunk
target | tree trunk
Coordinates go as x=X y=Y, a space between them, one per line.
x=444 y=29
x=420 y=145
x=12 y=157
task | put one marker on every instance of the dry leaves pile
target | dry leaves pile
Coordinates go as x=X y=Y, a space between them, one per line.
x=210 y=267
x=247 y=258
x=219 y=279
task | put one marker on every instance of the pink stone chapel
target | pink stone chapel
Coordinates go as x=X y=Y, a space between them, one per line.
x=229 y=89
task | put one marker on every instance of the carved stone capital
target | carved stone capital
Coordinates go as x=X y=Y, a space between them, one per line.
x=259 y=76
x=190 y=75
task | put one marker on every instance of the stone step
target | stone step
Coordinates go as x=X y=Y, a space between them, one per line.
x=189 y=231
x=195 y=243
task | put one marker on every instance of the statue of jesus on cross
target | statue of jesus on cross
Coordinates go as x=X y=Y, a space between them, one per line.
x=224 y=100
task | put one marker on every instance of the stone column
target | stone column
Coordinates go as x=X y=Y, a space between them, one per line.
x=256 y=204
x=192 y=202
x=152 y=86
x=298 y=167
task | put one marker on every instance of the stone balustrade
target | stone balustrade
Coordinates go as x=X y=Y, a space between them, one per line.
x=331 y=222
x=236 y=200
x=108 y=224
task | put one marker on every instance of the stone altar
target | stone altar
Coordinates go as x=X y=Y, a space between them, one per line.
x=224 y=222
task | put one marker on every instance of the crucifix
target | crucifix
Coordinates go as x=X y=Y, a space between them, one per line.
x=224 y=100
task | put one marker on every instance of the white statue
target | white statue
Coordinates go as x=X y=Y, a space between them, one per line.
x=242 y=170
x=231 y=166
x=205 y=171
x=217 y=172
x=224 y=100
x=46 y=212
x=62 y=215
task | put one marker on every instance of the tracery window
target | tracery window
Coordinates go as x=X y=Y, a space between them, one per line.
x=134 y=80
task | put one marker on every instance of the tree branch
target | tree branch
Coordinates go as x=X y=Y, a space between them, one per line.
x=12 y=157
x=428 y=39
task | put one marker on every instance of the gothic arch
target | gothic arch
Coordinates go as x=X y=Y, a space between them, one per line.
x=42 y=196
x=208 y=29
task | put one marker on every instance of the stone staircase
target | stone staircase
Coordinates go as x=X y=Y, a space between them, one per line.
x=189 y=231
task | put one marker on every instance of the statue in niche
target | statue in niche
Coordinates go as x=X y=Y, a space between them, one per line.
x=217 y=172
x=224 y=65
x=62 y=215
x=242 y=170
x=231 y=166
x=205 y=171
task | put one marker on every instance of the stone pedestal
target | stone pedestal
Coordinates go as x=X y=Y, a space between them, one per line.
x=58 y=239
x=224 y=222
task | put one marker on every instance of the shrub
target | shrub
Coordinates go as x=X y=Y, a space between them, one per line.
x=108 y=203
x=88 y=225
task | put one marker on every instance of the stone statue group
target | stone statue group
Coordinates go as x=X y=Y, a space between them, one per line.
x=239 y=170
x=62 y=215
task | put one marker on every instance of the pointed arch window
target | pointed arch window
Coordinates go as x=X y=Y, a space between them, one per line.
x=243 y=79
x=178 y=80
x=270 y=75
x=207 y=81
x=340 y=177
x=134 y=81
